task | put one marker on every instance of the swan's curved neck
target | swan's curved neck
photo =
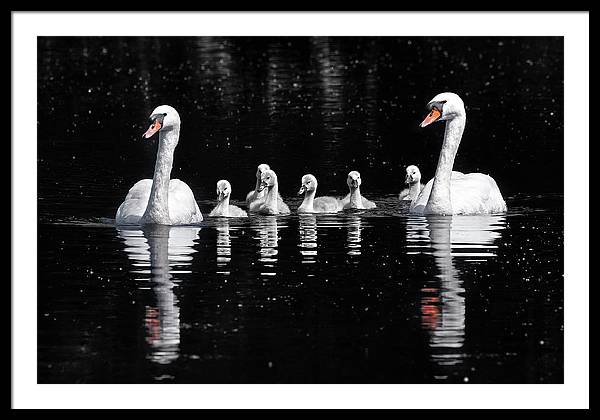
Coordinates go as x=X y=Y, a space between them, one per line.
x=223 y=206
x=157 y=210
x=309 y=198
x=414 y=189
x=355 y=197
x=271 y=199
x=257 y=184
x=439 y=200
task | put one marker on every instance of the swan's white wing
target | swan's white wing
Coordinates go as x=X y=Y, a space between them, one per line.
x=235 y=211
x=255 y=199
x=282 y=208
x=326 y=204
x=473 y=193
x=134 y=206
x=344 y=200
x=368 y=204
x=183 y=209
x=250 y=197
x=255 y=205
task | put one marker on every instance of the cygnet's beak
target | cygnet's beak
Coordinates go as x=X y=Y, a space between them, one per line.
x=220 y=195
x=408 y=179
x=262 y=186
x=302 y=190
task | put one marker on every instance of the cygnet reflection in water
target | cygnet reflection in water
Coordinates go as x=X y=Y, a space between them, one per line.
x=308 y=238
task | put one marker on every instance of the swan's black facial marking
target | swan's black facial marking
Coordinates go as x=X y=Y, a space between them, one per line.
x=438 y=105
x=157 y=117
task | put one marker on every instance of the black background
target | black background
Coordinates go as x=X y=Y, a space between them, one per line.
x=319 y=105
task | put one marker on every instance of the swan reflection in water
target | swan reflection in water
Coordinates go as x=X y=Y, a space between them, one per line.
x=354 y=224
x=267 y=230
x=223 y=245
x=308 y=238
x=450 y=238
x=159 y=254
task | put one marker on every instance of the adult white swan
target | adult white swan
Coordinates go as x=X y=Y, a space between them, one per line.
x=161 y=200
x=451 y=192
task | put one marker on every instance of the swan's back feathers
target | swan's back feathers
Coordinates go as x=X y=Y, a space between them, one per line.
x=282 y=207
x=405 y=193
x=133 y=207
x=257 y=206
x=235 y=211
x=367 y=204
x=473 y=193
x=254 y=199
x=231 y=211
x=140 y=190
x=255 y=195
x=327 y=204
x=183 y=209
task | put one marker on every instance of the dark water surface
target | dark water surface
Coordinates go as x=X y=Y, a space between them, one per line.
x=369 y=296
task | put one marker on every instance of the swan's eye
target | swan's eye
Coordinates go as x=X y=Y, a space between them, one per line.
x=437 y=106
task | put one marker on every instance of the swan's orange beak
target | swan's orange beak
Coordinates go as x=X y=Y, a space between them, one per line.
x=431 y=117
x=154 y=127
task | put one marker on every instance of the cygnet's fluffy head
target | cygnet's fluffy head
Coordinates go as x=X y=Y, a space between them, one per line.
x=261 y=169
x=163 y=118
x=354 y=180
x=223 y=189
x=268 y=179
x=309 y=183
x=413 y=175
